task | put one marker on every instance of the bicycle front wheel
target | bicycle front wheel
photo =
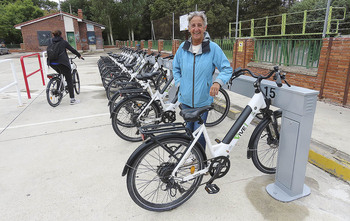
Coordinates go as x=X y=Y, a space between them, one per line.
x=113 y=87
x=76 y=81
x=266 y=143
x=221 y=108
x=149 y=182
x=53 y=93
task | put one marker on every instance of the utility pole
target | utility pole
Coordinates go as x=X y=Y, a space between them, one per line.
x=237 y=19
x=326 y=19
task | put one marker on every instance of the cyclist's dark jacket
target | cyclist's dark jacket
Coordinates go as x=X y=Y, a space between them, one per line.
x=63 y=56
x=194 y=72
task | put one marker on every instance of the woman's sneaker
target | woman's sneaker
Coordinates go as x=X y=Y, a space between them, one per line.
x=74 y=101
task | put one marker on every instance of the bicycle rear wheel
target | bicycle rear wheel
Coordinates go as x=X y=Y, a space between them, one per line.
x=221 y=108
x=266 y=143
x=53 y=93
x=76 y=81
x=149 y=182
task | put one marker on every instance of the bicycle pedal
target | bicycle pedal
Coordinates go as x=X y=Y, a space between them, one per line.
x=212 y=188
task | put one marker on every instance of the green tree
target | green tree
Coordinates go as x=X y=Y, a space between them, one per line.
x=104 y=11
x=45 y=4
x=72 y=6
x=15 y=13
x=131 y=15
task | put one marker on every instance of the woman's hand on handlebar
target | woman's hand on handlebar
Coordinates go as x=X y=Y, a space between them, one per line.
x=214 y=89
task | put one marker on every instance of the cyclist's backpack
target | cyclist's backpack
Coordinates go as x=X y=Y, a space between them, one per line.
x=53 y=51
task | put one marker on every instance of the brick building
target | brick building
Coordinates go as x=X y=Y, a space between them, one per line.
x=82 y=34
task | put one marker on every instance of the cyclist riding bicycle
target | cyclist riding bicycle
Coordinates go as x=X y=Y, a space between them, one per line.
x=62 y=64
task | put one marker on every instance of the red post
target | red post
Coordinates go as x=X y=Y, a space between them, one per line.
x=25 y=74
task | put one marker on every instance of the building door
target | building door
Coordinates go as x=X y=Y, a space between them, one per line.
x=71 y=39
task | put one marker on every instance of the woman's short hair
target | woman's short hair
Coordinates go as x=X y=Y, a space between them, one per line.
x=197 y=13
x=57 y=33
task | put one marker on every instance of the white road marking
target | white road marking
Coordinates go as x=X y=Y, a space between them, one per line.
x=56 y=121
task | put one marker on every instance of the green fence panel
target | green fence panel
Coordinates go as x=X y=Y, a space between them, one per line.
x=288 y=52
x=227 y=46
x=167 y=45
x=155 y=45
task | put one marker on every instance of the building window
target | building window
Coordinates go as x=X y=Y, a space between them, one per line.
x=90 y=27
x=91 y=37
x=44 y=38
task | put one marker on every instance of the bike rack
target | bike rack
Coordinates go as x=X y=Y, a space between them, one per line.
x=25 y=74
x=299 y=106
x=14 y=83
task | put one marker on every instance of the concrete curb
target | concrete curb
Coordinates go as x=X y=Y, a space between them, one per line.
x=330 y=160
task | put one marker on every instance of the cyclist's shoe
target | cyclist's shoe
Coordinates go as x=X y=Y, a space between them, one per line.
x=74 y=101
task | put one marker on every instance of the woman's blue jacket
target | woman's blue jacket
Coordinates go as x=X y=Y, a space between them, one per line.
x=194 y=72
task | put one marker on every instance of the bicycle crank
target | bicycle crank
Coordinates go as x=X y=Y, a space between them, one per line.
x=217 y=169
x=168 y=116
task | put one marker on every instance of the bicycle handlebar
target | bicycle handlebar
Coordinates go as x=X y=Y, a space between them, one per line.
x=278 y=77
x=76 y=57
x=169 y=57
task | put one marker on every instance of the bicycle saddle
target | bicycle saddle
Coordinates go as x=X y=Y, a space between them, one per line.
x=193 y=114
x=146 y=76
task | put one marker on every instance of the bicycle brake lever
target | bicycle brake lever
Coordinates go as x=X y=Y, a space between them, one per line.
x=283 y=77
x=286 y=83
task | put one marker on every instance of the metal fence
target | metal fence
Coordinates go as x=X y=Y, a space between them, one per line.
x=227 y=46
x=155 y=45
x=167 y=45
x=308 y=22
x=289 y=52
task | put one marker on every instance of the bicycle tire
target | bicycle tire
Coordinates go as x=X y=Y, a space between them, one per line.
x=117 y=98
x=108 y=77
x=221 y=108
x=53 y=93
x=148 y=181
x=126 y=112
x=112 y=87
x=265 y=145
x=76 y=81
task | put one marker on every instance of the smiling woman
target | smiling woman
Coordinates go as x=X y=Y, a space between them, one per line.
x=193 y=65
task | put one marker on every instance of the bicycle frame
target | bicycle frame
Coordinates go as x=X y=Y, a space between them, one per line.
x=224 y=148
x=160 y=96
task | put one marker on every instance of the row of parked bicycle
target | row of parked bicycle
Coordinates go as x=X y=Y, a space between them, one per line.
x=167 y=169
x=140 y=90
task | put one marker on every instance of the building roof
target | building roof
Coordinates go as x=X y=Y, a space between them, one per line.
x=20 y=25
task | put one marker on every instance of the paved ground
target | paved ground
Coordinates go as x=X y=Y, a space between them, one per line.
x=65 y=163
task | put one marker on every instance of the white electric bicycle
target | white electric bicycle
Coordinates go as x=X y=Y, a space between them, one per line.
x=167 y=169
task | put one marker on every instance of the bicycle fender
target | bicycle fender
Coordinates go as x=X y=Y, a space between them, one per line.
x=149 y=142
x=254 y=134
